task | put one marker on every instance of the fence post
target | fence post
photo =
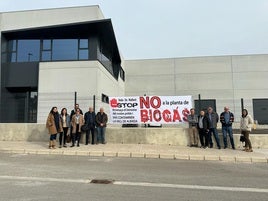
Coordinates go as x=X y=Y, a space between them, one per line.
x=94 y=103
x=242 y=104
x=75 y=98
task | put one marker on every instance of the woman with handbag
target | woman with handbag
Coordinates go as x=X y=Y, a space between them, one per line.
x=246 y=124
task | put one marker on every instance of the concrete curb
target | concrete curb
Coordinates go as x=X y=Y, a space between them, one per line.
x=236 y=159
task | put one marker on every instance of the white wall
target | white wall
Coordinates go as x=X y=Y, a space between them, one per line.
x=59 y=80
x=48 y=17
x=224 y=78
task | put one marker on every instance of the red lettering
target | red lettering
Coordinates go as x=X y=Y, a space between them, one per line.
x=155 y=102
x=157 y=115
x=176 y=115
x=144 y=116
x=185 y=113
x=166 y=115
x=144 y=102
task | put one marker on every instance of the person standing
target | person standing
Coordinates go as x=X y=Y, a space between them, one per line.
x=65 y=119
x=101 y=121
x=90 y=118
x=77 y=122
x=203 y=128
x=213 y=118
x=246 y=124
x=54 y=126
x=227 y=119
x=193 y=133
x=73 y=112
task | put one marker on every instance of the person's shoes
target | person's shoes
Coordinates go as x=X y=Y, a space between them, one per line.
x=78 y=145
x=104 y=143
x=225 y=147
x=219 y=147
x=72 y=145
x=205 y=147
x=86 y=144
x=65 y=145
x=211 y=146
x=60 y=146
x=249 y=150
x=233 y=148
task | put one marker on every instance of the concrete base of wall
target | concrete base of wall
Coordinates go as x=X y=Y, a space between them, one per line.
x=165 y=136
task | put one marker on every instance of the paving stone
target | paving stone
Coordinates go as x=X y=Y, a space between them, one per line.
x=243 y=159
x=123 y=154
x=227 y=158
x=137 y=155
x=110 y=154
x=212 y=158
x=182 y=157
x=259 y=160
x=96 y=153
x=197 y=157
x=167 y=156
x=151 y=155
x=82 y=153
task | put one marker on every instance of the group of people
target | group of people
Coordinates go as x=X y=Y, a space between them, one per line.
x=74 y=124
x=202 y=127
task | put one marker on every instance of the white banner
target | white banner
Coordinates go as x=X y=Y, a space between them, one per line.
x=150 y=109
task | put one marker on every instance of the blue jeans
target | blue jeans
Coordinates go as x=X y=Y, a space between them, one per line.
x=229 y=130
x=216 y=136
x=101 y=134
x=53 y=137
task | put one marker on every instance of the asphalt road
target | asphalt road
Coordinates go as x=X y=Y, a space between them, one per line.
x=52 y=177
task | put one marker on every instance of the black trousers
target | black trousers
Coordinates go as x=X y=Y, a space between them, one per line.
x=92 y=131
x=64 y=135
x=76 y=135
x=203 y=136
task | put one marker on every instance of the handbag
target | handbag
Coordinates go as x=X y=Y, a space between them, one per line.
x=84 y=127
x=68 y=139
x=242 y=138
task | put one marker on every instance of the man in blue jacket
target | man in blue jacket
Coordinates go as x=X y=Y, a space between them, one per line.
x=227 y=119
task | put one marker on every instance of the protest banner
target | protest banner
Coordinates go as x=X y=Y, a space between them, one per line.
x=150 y=109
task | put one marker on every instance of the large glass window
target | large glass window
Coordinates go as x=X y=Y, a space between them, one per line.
x=65 y=49
x=28 y=50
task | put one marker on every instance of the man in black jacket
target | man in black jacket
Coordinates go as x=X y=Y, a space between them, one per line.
x=203 y=128
x=90 y=118
x=101 y=123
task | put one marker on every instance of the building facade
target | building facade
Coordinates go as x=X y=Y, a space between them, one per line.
x=48 y=55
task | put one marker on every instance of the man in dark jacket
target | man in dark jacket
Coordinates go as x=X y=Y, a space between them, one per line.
x=90 y=119
x=227 y=119
x=213 y=118
x=203 y=128
x=101 y=121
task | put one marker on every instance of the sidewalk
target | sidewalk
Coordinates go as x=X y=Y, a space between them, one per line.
x=138 y=151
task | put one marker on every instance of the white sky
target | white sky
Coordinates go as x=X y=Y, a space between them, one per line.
x=176 y=28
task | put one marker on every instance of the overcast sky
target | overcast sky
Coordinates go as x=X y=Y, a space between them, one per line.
x=176 y=28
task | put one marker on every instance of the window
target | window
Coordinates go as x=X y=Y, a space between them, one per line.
x=260 y=110
x=46 y=50
x=65 y=49
x=104 y=98
x=204 y=104
x=27 y=51
x=83 y=49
